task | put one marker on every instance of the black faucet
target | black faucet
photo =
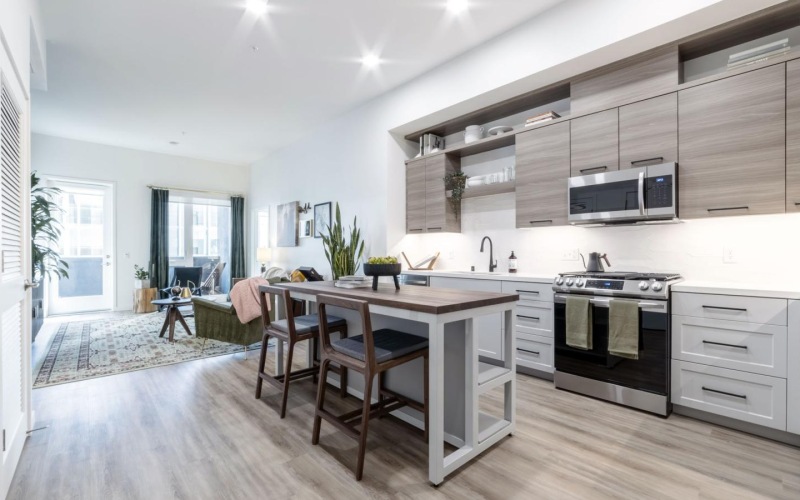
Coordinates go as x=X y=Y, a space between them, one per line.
x=492 y=262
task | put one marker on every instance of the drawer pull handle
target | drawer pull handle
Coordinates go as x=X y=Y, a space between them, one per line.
x=543 y=221
x=434 y=229
x=528 y=291
x=636 y=162
x=535 y=353
x=726 y=345
x=412 y=230
x=527 y=317
x=728 y=208
x=737 y=309
x=593 y=168
x=740 y=396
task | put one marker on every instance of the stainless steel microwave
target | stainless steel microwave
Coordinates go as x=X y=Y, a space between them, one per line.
x=632 y=195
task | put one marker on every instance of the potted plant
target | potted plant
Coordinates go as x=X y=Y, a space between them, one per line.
x=343 y=256
x=456 y=182
x=141 y=277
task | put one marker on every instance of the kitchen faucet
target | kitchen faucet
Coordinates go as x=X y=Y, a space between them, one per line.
x=492 y=262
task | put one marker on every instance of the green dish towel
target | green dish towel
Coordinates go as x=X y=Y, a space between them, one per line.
x=623 y=329
x=579 y=323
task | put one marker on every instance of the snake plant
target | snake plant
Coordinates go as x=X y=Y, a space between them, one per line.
x=343 y=256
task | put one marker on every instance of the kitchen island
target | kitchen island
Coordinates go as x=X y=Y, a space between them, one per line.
x=457 y=378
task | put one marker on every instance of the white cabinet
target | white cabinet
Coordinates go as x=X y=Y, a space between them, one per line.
x=488 y=327
x=533 y=324
x=793 y=370
x=737 y=356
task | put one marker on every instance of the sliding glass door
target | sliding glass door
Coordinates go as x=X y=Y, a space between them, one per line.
x=199 y=237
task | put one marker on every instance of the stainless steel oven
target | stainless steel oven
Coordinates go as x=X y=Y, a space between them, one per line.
x=635 y=194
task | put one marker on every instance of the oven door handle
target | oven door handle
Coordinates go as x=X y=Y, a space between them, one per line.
x=643 y=304
x=641 y=193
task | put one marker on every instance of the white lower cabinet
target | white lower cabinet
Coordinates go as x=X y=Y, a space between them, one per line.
x=533 y=324
x=750 y=397
x=536 y=352
x=793 y=370
x=488 y=327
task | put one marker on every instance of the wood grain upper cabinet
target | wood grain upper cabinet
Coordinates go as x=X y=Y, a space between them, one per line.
x=438 y=214
x=732 y=145
x=648 y=132
x=542 y=170
x=793 y=136
x=594 y=142
x=415 y=196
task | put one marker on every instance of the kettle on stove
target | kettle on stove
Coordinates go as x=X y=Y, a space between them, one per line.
x=595 y=264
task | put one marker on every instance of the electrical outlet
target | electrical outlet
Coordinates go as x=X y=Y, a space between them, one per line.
x=571 y=254
x=728 y=255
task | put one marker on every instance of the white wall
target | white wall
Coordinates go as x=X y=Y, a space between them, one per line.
x=355 y=161
x=131 y=171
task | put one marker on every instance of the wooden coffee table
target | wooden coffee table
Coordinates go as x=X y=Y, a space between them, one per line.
x=173 y=315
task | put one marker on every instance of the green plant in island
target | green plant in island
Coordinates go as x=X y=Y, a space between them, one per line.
x=45 y=232
x=343 y=256
x=456 y=182
x=139 y=273
x=382 y=260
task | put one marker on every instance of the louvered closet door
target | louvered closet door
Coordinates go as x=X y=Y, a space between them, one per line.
x=14 y=269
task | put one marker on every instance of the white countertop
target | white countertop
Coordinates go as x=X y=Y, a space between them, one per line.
x=745 y=289
x=478 y=275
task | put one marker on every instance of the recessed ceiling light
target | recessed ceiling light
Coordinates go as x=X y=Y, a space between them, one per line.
x=257 y=7
x=457 y=6
x=370 y=60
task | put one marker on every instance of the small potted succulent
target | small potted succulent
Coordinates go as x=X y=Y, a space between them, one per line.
x=382 y=266
x=141 y=277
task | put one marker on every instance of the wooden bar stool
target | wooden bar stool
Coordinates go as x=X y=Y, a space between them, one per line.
x=292 y=330
x=371 y=354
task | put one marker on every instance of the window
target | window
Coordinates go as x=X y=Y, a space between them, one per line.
x=199 y=236
x=260 y=226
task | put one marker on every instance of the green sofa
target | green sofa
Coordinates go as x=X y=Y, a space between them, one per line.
x=218 y=321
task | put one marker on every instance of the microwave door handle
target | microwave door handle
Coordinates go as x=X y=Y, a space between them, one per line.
x=641 y=193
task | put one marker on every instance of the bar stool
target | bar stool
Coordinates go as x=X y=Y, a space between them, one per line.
x=292 y=330
x=371 y=353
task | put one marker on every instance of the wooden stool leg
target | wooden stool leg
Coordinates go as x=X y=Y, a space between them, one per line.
x=172 y=313
x=362 y=437
x=323 y=374
x=381 y=383
x=313 y=346
x=343 y=369
x=286 y=378
x=425 y=391
x=165 y=326
x=261 y=362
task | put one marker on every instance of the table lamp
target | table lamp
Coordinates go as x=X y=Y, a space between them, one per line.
x=263 y=255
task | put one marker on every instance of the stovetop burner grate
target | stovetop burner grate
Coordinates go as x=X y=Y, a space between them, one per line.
x=620 y=275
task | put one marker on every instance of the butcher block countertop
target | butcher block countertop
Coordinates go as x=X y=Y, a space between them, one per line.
x=413 y=298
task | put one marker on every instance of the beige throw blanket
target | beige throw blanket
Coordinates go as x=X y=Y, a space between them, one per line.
x=246 y=299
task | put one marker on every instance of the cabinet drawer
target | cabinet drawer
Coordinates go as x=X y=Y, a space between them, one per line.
x=730 y=307
x=751 y=347
x=534 y=318
x=758 y=399
x=536 y=353
x=529 y=291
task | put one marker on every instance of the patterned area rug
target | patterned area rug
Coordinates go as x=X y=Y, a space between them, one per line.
x=122 y=343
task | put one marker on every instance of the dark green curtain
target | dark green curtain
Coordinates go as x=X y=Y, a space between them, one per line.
x=238 y=269
x=159 y=238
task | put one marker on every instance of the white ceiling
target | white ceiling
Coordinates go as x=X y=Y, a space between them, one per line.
x=142 y=73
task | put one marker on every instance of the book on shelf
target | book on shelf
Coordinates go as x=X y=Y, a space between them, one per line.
x=430 y=143
x=542 y=117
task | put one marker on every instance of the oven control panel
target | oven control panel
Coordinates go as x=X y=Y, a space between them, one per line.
x=605 y=284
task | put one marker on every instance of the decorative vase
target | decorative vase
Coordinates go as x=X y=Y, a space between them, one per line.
x=376 y=270
x=141 y=283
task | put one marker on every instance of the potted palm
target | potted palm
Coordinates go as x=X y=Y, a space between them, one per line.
x=141 y=277
x=343 y=256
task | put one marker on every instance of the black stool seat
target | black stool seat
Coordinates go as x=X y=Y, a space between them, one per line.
x=307 y=323
x=389 y=344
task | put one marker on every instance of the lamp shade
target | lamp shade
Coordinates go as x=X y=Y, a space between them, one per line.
x=263 y=254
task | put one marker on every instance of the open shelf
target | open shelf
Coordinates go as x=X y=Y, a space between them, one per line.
x=491 y=376
x=489 y=425
x=487 y=190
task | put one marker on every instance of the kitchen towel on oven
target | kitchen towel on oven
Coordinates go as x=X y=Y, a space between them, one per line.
x=623 y=328
x=579 y=323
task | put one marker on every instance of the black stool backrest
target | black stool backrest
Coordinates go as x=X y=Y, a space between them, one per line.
x=366 y=324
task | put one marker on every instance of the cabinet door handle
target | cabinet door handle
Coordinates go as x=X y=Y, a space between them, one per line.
x=604 y=167
x=659 y=158
x=528 y=291
x=543 y=221
x=726 y=345
x=745 y=207
x=527 y=317
x=797 y=203
x=434 y=229
x=740 y=396
x=737 y=309
x=535 y=353
x=414 y=230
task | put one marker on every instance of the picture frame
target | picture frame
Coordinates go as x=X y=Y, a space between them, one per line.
x=288 y=218
x=307 y=228
x=322 y=218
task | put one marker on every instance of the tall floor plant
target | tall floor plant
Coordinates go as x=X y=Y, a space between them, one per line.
x=45 y=232
x=343 y=256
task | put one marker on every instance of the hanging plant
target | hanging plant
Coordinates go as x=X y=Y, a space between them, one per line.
x=344 y=256
x=45 y=232
x=457 y=183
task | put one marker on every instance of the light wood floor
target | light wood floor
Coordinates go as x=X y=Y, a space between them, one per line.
x=194 y=430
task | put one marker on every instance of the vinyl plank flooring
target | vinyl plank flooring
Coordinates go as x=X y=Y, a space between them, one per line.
x=194 y=430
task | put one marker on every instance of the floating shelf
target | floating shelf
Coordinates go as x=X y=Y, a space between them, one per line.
x=489 y=425
x=487 y=190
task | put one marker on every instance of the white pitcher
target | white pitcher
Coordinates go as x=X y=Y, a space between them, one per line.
x=473 y=133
